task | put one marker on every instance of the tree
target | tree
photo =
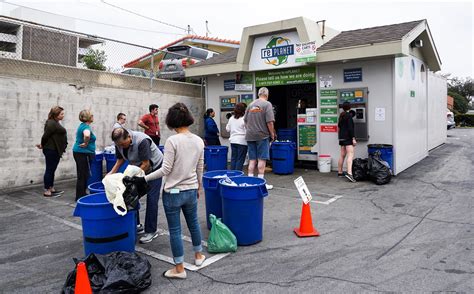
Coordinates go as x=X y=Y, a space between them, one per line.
x=460 y=102
x=463 y=87
x=95 y=59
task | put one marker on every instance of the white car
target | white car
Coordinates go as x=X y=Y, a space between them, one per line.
x=450 y=120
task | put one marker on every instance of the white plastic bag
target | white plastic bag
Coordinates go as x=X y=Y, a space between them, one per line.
x=114 y=187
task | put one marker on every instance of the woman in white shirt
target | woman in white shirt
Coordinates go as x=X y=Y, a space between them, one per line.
x=238 y=144
x=183 y=163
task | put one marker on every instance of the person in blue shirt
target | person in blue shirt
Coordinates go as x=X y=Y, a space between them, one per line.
x=83 y=151
x=211 y=135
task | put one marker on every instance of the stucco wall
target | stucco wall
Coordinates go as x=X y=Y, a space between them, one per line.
x=29 y=89
x=377 y=77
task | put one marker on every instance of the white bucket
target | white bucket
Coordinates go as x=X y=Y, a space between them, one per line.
x=324 y=163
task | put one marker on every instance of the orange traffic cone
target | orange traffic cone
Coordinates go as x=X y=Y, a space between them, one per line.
x=306 y=228
x=83 y=286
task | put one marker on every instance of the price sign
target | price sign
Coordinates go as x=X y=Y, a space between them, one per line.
x=303 y=190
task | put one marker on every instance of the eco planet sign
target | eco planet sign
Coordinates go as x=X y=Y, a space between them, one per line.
x=274 y=51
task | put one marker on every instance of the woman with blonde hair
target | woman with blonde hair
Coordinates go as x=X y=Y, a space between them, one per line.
x=83 y=151
x=53 y=143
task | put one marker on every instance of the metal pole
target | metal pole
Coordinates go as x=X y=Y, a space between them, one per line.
x=152 y=69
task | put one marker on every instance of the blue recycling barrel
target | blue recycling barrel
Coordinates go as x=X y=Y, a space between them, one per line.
x=215 y=157
x=213 y=193
x=96 y=169
x=283 y=157
x=96 y=187
x=287 y=135
x=111 y=159
x=242 y=208
x=386 y=152
x=103 y=230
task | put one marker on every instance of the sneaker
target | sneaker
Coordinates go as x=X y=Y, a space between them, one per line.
x=268 y=186
x=148 y=237
x=140 y=229
x=170 y=274
x=350 y=177
x=52 y=195
x=340 y=175
x=57 y=192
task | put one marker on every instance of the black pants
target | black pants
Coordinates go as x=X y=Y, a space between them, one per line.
x=52 y=160
x=83 y=167
x=213 y=142
x=156 y=140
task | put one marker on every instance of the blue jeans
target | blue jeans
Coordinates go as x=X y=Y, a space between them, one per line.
x=173 y=204
x=151 y=214
x=52 y=160
x=238 y=156
x=259 y=149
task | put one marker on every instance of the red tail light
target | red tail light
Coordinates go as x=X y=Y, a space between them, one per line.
x=187 y=62
x=161 y=65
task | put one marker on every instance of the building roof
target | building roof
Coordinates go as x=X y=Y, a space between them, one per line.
x=196 y=37
x=380 y=34
x=374 y=42
x=226 y=57
x=180 y=40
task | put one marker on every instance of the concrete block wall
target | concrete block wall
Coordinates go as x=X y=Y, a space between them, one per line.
x=28 y=90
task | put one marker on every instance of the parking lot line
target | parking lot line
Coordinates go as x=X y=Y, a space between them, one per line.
x=333 y=198
x=150 y=253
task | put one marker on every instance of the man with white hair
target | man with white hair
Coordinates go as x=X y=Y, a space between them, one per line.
x=259 y=123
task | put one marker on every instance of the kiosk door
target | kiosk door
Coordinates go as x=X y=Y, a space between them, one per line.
x=357 y=97
x=227 y=104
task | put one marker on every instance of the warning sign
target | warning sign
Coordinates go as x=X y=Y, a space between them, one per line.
x=328 y=129
x=303 y=190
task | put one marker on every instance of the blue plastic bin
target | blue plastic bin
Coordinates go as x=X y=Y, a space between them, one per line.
x=96 y=187
x=213 y=193
x=96 y=169
x=215 y=157
x=283 y=157
x=386 y=152
x=287 y=135
x=162 y=149
x=242 y=208
x=103 y=230
x=111 y=159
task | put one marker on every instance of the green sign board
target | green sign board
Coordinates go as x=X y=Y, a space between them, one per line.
x=412 y=93
x=307 y=138
x=329 y=119
x=332 y=101
x=302 y=75
x=328 y=110
x=328 y=93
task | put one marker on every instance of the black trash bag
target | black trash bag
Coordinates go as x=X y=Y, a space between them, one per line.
x=133 y=192
x=379 y=170
x=117 y=272
x=360 y=169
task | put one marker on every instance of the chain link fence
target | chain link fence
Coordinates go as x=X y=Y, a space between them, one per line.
x=20 y=40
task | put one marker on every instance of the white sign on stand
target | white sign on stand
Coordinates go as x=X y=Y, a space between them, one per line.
x=303 y=190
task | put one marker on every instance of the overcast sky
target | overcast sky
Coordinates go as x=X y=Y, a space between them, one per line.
x=451 y=23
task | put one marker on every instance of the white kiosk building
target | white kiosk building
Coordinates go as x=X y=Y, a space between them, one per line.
x=385 y=72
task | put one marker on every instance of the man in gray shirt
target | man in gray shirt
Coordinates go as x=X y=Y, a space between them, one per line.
x=259 y=119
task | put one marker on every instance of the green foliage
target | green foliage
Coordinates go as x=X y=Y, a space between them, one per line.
x=95 y=59
x=463 y=87
x=464 y=120
x=460 y=103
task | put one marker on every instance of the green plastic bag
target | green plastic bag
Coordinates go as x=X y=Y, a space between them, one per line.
x=221 y=239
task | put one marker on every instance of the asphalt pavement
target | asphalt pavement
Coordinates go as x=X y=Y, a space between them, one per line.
x=414 y=235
